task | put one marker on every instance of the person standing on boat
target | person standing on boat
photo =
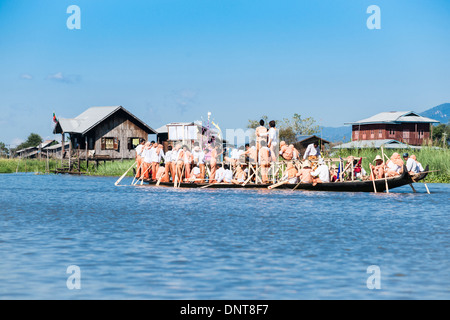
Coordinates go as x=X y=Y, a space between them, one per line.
x=251 y=153
x=168 y=168
x=199 y=160
x=272 y=143
x=261 y=135
x=312 y=151
x=264 y=161
x=321 y=174
x=139 y=160
x=156 y=157
x=147 y=154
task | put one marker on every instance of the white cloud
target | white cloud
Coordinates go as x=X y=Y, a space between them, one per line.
x=26 y=76
x=60 y=77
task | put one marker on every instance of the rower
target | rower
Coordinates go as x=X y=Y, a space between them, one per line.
x=290 y=173
x=139 y=159
x=321 y=174
x=305 y=172
x=378 y=168
x=239 y=175
x=411 y=164
x=199 y=160
x=147 y=160
x=419 y=167
x=228 y=174
x=312 y=151
x=264 y=161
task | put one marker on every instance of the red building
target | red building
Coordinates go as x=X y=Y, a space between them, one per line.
x=404 y=126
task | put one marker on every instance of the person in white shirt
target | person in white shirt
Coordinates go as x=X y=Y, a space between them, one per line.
x=139 y=159
x=168 y=165
x=419 y=167
x=312 y=151
x=321 y=174
x=199 y=160
x=156 y=156
x=411 y=165
x=228 y=174
x=220 y=174
x=272 y=142
x=147 y=159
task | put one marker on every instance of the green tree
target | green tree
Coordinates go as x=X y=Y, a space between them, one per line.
x=441 y=132
x=3 y=149
x=33 y=140
x=289 y=129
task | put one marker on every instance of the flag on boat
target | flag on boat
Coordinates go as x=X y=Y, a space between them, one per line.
x=54 y=118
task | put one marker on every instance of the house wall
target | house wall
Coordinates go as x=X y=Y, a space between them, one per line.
x=410 y=133
x=121 y=127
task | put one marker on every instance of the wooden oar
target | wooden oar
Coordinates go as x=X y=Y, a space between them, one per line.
x=208 y=185
x=142 y=176
x=385 y=178
x=297 y=185
x=134 y=178
x=373 y=180
x=123 y=176
x=277 y=184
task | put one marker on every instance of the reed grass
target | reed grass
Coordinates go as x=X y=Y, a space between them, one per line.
x=26 y=165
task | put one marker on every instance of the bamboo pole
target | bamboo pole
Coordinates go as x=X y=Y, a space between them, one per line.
x=123 y=176
x=373 y=180
x=385 y=179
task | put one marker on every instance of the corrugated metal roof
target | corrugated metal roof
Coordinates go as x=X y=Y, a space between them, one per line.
x=394 y=117
x=92 y=117
x=375 y=144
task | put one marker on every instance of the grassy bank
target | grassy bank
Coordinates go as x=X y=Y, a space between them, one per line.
x=436 y=159
x=30 y=165
x=116 y=168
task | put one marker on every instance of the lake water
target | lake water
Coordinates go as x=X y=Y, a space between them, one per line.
x=160 y=243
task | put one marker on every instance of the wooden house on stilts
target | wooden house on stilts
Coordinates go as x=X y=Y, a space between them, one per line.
x=101 y=133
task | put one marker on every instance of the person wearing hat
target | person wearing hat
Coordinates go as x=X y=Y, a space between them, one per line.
x=305 y=172
x=321 y=174
x=411 y=165
x=378 y=168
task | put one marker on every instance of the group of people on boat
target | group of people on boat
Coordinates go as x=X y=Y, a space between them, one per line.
x=254 y=161
x=394 y=165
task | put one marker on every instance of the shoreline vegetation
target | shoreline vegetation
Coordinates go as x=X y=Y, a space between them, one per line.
x=437 y=159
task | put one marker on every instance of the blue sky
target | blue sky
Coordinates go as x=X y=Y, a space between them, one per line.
x=176 y=60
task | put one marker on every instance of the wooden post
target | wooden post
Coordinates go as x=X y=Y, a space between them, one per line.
x=385 y=179
x=62 y=149
x=87 y=158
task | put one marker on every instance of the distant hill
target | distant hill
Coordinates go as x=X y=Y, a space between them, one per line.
x=337 y=134
x=440 y=113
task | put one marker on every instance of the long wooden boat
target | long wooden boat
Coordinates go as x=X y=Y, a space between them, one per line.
x=346 y=186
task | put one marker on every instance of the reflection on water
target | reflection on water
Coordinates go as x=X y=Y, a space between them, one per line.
x=160 y=243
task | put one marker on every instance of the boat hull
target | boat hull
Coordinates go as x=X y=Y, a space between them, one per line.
x=346 y=186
